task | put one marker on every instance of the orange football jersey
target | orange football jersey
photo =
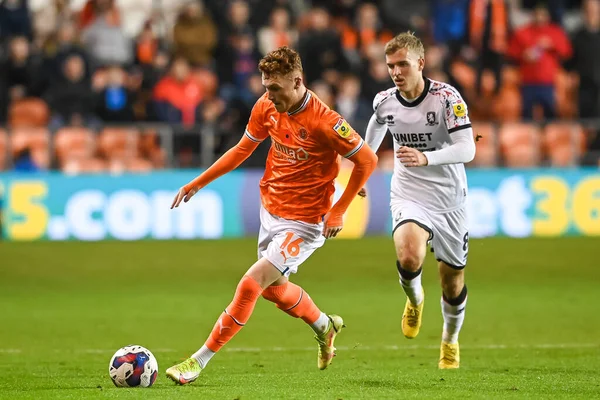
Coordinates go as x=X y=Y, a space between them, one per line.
x=303 y=161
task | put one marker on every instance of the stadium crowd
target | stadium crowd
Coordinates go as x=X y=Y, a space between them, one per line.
x=113 y=85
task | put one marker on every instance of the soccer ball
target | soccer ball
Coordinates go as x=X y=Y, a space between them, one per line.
x=133 y=366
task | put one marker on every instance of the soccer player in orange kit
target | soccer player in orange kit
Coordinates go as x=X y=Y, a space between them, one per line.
x=296 y=195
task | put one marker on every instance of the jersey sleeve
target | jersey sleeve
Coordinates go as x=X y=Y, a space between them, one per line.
x=456 y=114
x=255 y=129
x=339 y=134
x=380 y=98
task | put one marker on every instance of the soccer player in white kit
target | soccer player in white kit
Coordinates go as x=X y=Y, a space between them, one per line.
x=432 y=140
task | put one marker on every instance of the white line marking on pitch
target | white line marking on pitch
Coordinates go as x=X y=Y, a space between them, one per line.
x=357 y=347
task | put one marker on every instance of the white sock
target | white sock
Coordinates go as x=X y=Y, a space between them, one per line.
x=413 y=289
x=203 y=356
x=453 y=320
x=321 y=324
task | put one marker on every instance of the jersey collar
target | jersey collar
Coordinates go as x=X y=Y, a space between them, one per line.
x=307 y=97
x=419 y=99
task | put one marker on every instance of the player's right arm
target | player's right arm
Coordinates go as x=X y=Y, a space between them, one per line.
x=255 y=133
x=376 y=128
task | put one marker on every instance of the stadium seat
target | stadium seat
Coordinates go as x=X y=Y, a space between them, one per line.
x=28 y=112
x=3 y=149
x=75 y=166
x=487 y=146
x=564 y=143
x=520 y=144
x=37 y=140
x=208 y=80
x=73 y=143
x=507 y=105
x=118 y=143
x=464 y=74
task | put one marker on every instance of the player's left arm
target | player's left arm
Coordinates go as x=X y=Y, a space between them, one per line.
x=462 y=149
x=346 y=142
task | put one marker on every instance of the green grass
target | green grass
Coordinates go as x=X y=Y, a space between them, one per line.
x=531 y=331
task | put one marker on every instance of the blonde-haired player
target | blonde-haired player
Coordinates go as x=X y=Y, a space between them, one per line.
x=296 y=194
x=432 y=134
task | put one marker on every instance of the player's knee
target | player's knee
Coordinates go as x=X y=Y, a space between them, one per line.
x=453 y=281
x=410 y=260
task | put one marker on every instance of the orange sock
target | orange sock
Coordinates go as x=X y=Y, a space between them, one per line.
x=236 y=314
x=293 y=300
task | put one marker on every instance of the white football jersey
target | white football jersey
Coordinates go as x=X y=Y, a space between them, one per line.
x=426 y=124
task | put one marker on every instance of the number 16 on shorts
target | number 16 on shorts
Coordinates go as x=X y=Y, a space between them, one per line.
x=290 y=246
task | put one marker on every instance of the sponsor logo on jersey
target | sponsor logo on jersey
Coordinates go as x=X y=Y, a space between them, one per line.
x=342 y=128
x=389 y=120
x=459 y=108
x=431 y=119
x=292 y=155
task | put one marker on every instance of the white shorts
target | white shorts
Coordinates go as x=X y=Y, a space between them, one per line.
x=448 y=234
x=286 y=243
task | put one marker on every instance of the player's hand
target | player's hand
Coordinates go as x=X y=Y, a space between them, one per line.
x=410 y=157
x=334 y=223
x=184 y=195
x=362 y=192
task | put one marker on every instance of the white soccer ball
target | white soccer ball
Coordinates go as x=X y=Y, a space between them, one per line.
x=133 y=366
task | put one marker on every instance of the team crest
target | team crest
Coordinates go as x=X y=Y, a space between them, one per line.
x=431 y=120
x=342 y=128
x=302 y=134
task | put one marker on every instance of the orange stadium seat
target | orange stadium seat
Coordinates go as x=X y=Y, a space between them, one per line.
x=28 y=112
x=564 y=143
x=507 y=105
x=486 y=154
x=520 y=144
x=35 y=139
x=92 y=165
x=118 y=143
x=3 y=149
x=464 y=74
x=73 y=143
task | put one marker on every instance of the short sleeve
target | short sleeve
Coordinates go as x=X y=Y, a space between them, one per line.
x=456 y=114
x=339 y=134
x=255 y=129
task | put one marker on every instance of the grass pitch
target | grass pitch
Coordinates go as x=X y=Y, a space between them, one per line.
x=532 y=327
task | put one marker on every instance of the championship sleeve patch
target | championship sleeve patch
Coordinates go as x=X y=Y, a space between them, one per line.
x=342 y=128
x=460 y=109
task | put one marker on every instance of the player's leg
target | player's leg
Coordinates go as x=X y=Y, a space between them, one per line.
x=454 y=302
x=293 y=244
x=262 y=274
x=411 y=234
x=451 y=249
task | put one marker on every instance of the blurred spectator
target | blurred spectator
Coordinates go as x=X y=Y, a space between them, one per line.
x=147 y=45
x=586 y=60
x=320 y=47
x=404 y=15
x=106 y=42
x=278 y=33
x=115 y=99
x=178 y=95
x=15 y=19
x=22 y=70
x=98 y=8
x=375 y=79
x=238 y=22
x=324 y=91
x=349 y=103
x=488 y=35
x=24 y=162
x=539 y=48
x=71 y=99
x=58 y=49
x=195 y=35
